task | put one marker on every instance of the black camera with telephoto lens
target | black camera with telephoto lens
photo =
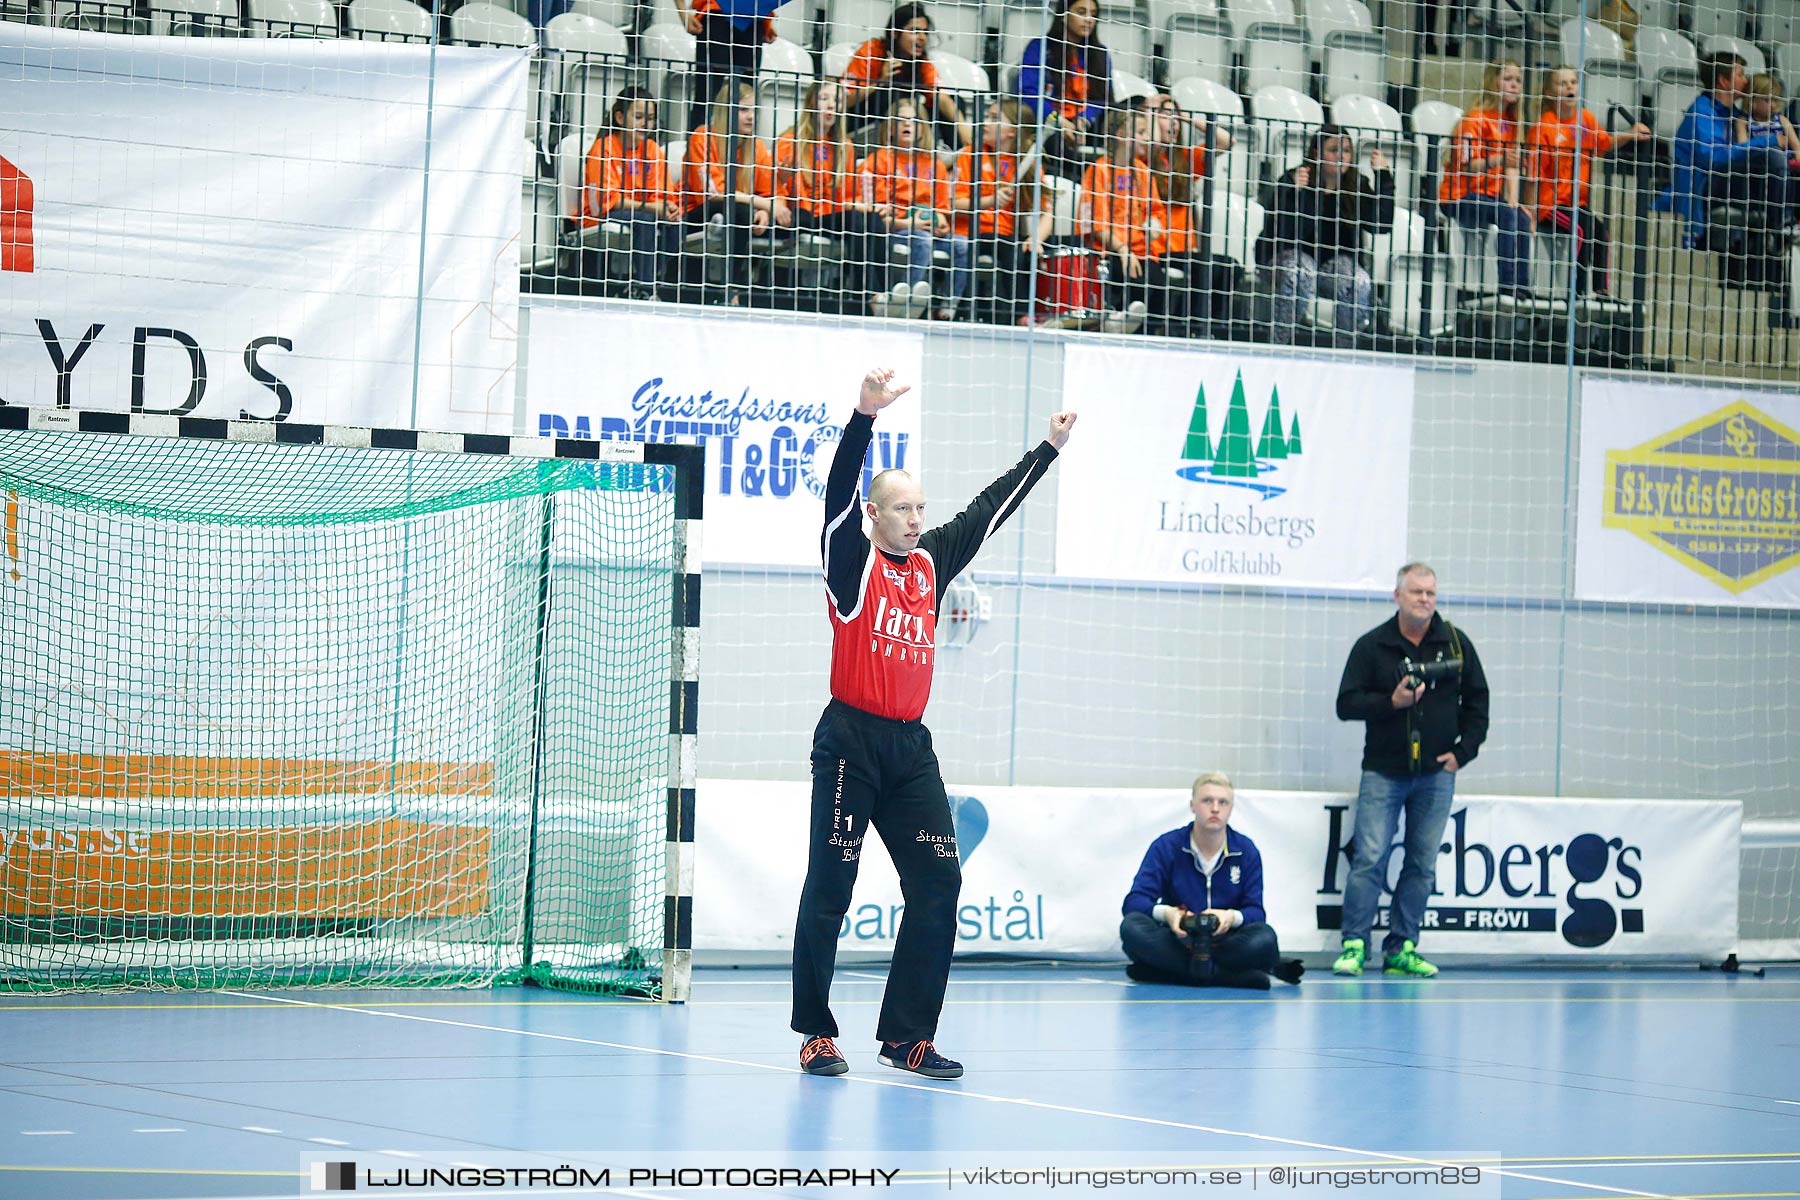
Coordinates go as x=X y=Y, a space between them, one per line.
x=1427 y=674
x=1200 y=927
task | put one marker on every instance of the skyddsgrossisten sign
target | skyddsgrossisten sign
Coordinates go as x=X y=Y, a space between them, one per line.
x=769 y=421
x=1224 y=468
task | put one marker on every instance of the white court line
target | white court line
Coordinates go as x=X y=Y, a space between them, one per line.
x=1788 y=1102
x=46 y=1133
x=1046 y=1106
x=328 y=1141
x=159 y=1130
x=258 y=1129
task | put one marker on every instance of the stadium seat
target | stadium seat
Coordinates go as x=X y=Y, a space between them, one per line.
x=1246 y=14
x=794 y=23
x=1778 y=23
x=1326 y=17
x=1236 y=222
x=1675 y=90
x=293 y=18
x=196 y=18
x=1717 y=18
x=959 y=74
x=1660 y=50
x=1162 y=13
x=1198 y=46
x=589 y=64
x=837 y=59
x=482 y=24
x=1614 y=94
x=1754 y=63
x=620 y=14
x=1355 y=65
x=1287 y=119
x=1276 y=56
x=1400 y=264
x=666 y=52
x=1787 y=62
x=787 y=71
x=1238 y=168
x=1125 y=29
x=1433 y=125
x=611 y=240
x=855 y=21
x=1376 y=126
x=389 y=21
x=1127 y=86
x=959 y=29
x=1601 y=42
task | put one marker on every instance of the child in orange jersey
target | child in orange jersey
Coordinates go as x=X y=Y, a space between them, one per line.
x=1561 y=169
x=906 y=184
x=1480 y=186
x=627 y=182
x=729 y=178
x=897 y=64
x=1000 y=202
x=815 y=173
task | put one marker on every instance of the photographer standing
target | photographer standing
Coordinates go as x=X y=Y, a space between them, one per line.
x=1417 y=681
x=1194 y=914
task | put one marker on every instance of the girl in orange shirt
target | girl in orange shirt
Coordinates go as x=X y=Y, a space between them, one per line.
x=815 y=173
x=997 y=189
x=1480 y=186
x=895 y=65
x=626 y=182
x=729 y=179
x=1561 y=169
x=904 y=182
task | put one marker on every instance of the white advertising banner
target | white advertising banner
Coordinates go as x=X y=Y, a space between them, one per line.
x=1689 y=494
x=1045 y=871
x=769 y=420
x=1195 y=466
x=225 y=227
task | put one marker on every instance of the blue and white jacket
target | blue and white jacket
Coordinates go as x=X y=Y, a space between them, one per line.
x=1171 y=874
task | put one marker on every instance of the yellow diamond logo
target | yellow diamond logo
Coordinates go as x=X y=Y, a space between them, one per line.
x=1720 y=494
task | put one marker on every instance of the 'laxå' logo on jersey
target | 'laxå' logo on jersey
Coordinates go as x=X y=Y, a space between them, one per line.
x=901 y=625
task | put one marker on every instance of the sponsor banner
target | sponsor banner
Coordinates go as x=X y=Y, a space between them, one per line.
x=769 y=421
x=1226 y=468
x=1045 y=871
x=1689 y=494
x=233 y=228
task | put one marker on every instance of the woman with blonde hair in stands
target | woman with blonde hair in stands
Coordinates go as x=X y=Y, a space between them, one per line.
x=1178 y=147
x=1480 y=186
x=815 y=173
x=906 y=184
x=626 y=181
x=1563 y=145
x=1001 y=203
x=894 y=65
x=728 y=179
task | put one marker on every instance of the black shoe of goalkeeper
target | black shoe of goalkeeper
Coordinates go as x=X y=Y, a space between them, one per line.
x=921 y=1058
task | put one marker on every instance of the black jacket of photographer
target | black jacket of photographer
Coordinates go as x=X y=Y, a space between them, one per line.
x=1451 y=715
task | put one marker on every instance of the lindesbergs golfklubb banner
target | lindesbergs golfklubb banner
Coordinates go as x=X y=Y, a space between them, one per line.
x=232 y=228
x=1197 y=467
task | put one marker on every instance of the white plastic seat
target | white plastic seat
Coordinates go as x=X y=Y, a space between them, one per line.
x=781 y=83
x=794 y=23
x=1198 y=46
x=591 y=63
x=1127 y=86
x=1326 y=17
x=1125 y=31
x=612 y=239
x=293 y=18
x=1236 y=222
x=1613 y=94
x=1276 y=55
x=958 y=74
x=1675 y=91
x=957 y=28
x=389 y=21
x=1235 y=169
x=1355 y=64
x=1245 y=14
x=856 y=21
x=1754 y=63
x=1660 y=50
x=837 y=59
x=1287 y=119
x=1602 y=42
x=195 y=18
x=1376 y=126
x=666 y=51
x=1717 y=18
x=1162 y=13
x=1433 y=125
x=482 y=24
x=618 y=13
x=1399 y=259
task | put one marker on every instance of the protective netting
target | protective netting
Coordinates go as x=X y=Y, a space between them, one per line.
x=307 y=715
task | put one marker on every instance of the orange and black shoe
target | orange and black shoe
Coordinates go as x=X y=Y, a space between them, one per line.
x=921 y=1058
x=819 y=1056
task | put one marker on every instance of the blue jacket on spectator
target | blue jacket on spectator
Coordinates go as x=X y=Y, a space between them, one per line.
x=1032 y=82
x=1170 y=874
x=1705 y=144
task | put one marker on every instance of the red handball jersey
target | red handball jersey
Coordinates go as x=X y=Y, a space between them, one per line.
x=883 y=607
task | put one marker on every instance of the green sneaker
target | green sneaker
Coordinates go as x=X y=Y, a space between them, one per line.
x=1350 y=962
x=1408 y=963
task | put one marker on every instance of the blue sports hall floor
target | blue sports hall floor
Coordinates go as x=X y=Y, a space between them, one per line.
x=1642 y=1082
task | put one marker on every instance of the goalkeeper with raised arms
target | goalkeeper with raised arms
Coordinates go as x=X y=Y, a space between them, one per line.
x=872 y=761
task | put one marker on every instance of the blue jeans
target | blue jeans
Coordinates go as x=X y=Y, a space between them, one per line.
x=1514 y=225
x=919 y=243
x=649 y=236
x=1425 y=799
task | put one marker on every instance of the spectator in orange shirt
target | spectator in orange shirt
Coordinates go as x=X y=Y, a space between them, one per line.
x=815 y=173
x=911 y=189
x=1561 y=168
x=728 y=39
x=894 y=65
x=997 y=184
x=1480 y=184
x=1134 y=207
x=626 y=182
x=1179 y=140
x=1066 y=78
x=728 y=179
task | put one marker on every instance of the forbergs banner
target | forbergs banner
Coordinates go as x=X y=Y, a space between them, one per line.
x=1689 y=494
x=769 y=420
x=1202 y=467
x=232 y=227
x=1046 y=869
